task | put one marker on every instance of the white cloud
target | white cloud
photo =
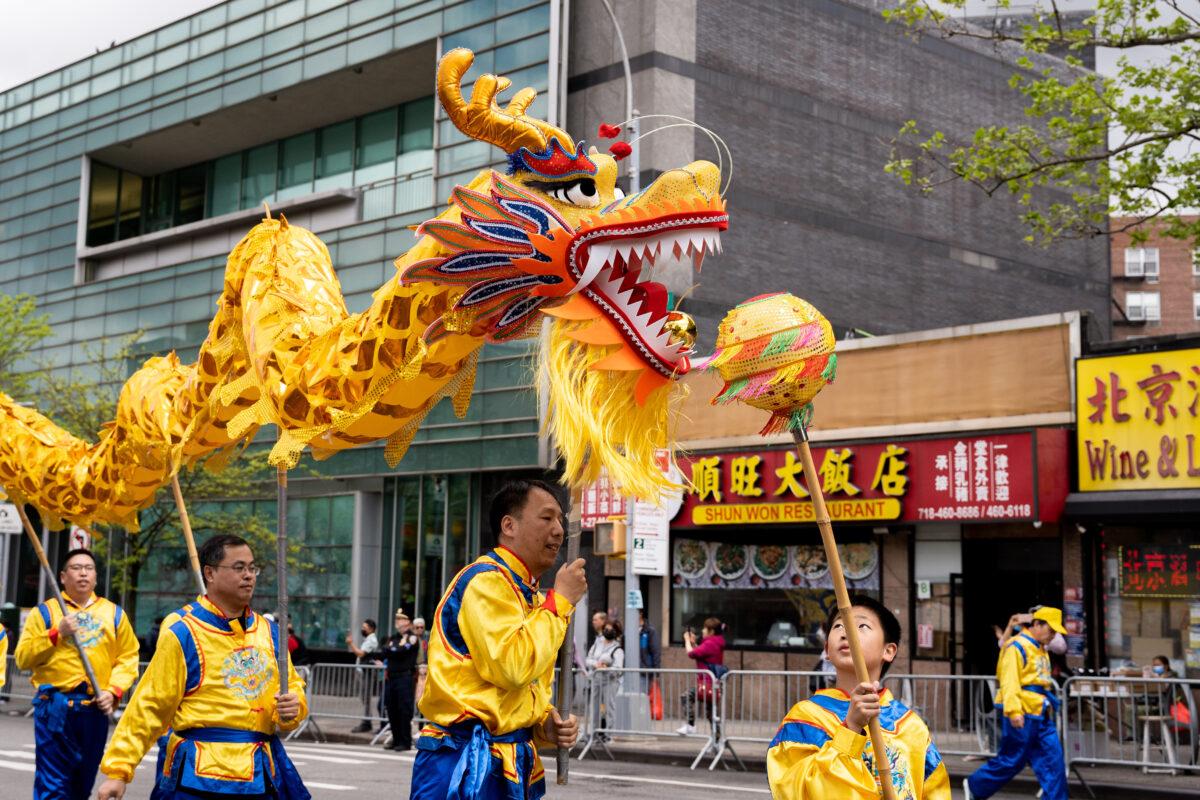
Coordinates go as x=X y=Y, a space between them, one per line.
x=41 y=36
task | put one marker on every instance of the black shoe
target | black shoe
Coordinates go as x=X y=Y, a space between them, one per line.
x=400 y=748
x=364 y=727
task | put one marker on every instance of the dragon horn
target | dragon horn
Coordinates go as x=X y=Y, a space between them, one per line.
x=481 y=118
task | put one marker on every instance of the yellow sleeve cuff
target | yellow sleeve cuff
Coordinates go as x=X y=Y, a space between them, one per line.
x=848 y=742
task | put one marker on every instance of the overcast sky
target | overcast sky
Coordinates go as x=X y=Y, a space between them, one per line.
x=39 y=36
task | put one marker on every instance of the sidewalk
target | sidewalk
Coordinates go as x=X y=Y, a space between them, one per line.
x=1108 y=783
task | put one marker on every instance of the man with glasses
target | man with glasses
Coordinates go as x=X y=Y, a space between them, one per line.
x=214 y=680
x=70 y=721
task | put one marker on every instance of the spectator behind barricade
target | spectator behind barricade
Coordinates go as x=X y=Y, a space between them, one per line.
x=1016 y=623
x=649 y=648
x=296 y=647
x=599 y=620
x=709 y=655
x=365 y=655
x=419 y=631
x=1160 y=667
x=611 y=656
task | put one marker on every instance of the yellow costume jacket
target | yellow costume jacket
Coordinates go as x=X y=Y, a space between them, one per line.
x=492 y=653
x=1026 y=684
x=213 y=681
x=815 y=756
x=105 y=634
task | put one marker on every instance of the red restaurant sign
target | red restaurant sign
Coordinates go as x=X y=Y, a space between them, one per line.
x=982 y=478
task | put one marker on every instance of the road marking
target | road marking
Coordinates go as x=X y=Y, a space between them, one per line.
x=375 y=755
x=336 y=787
x=18 y=766
x=17 y=753
x=335 y=759
x=660 y=781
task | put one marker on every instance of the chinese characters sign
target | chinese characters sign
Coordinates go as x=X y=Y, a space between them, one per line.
x=1139 y=421
x=601 y=500
x=973 y=478
x=1160 y=570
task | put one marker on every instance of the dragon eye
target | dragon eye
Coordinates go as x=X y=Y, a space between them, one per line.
x=578 y=193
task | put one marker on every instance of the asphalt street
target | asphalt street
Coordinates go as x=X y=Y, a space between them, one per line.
x=369 y=773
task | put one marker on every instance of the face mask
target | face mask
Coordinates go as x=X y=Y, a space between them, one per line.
x=1159 y=669
x=610 y=634
x=365 y=632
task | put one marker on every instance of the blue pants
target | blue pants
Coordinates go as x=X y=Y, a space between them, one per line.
x=460 y=766
x=1035 y=744
x=70 y=741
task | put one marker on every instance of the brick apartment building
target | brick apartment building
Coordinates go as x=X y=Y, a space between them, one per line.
x=1156 y=285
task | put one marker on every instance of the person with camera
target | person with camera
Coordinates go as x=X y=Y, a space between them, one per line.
x=709 y=655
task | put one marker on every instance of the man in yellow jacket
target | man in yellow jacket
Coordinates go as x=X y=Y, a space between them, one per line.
x=492 y=652
x=214 y=680
x=70 y=720
x=1028 y=701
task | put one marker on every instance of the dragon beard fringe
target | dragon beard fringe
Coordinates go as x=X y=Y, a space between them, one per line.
x=594 y=421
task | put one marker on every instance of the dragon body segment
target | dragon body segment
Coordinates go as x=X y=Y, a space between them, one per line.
x=554 y=238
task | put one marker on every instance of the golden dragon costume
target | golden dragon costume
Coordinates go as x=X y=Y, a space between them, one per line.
x=555 y=237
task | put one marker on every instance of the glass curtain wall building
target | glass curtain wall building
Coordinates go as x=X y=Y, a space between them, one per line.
x=127 y=177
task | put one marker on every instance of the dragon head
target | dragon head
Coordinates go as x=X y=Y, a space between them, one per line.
x=557 y=236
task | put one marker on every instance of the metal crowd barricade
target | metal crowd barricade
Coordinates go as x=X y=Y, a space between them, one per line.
x=959 y=710
x=618 y=705
x=341 y=691
x=1139 y=722
x=754 y=702
x=18 y=688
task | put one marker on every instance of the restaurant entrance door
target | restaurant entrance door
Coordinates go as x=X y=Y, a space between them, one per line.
x=1003 y=576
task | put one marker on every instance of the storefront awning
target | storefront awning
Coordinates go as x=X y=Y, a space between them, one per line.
x=1116 y=506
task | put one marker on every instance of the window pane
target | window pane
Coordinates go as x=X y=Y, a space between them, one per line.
x=102 y=205
x=296 y=160
x=225 y=190
x=189 y=197
x=418 y=125
x=335 y=155
x=160 y=203
x=377 y=138
x=129 y=212
x=259 y=181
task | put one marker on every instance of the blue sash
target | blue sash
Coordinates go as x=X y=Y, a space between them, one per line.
x=286 y=780
x=50 y=706
x=1046 y=693
x=223 y=735
x=474 y=765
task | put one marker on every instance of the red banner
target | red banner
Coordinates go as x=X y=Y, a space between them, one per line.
x=963 y=479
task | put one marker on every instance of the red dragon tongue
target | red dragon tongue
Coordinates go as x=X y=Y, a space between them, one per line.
x=652 y=298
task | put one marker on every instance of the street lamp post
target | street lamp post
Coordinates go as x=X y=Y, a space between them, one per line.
x=631 y=115
x=632 y=635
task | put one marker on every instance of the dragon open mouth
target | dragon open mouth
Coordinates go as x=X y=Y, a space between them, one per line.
x=614 y=258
